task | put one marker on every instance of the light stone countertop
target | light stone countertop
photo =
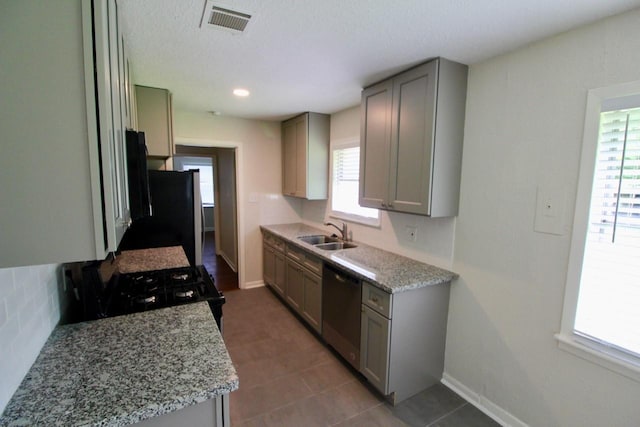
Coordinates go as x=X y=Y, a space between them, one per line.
x=137 y=260
x=386 y=270
x=121 y=370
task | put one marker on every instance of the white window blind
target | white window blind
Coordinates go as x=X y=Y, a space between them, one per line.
x=609 y=299
x=345 y=184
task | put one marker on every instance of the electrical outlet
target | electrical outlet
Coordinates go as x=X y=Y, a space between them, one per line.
x=550 y=210
x=411 y=233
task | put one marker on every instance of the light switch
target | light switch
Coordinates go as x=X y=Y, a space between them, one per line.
x=550 y=210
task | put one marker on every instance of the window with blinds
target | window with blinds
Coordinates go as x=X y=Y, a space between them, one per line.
x=609 y=297
x=345 y=185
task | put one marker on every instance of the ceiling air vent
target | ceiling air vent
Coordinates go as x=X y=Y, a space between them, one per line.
x=223 y=18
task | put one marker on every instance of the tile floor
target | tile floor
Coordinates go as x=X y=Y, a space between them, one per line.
x=288 y=377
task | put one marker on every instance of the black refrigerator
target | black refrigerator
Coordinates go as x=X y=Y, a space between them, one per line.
x=176 y=215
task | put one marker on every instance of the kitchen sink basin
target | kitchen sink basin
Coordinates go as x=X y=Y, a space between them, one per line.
x=334 y=246
x=317 y=239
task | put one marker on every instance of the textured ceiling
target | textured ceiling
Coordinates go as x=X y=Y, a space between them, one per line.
x=316 y=55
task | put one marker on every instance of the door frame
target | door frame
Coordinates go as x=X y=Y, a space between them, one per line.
x=201 y=146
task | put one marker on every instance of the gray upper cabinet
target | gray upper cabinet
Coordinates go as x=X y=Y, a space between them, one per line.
x=305 y=156
x=411 y=140
x=155 y=119
x=64 y=181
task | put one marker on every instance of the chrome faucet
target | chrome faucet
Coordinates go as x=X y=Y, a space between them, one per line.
x=343 y=230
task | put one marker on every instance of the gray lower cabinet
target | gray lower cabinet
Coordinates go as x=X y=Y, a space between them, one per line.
x=411 y=140
x=273 y=263
x=296 y=276
x=304 y=286
x=402 y=339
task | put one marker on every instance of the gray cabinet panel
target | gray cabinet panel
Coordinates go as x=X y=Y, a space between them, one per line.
x=374 y=348
x=273 y=264
x=312 y=307
x=295 y=285
x=280 y=278
x=268 y=264
x=155 y=118
x=375 y=134
x=289 y=158
x=412 y=139
x=67 y=186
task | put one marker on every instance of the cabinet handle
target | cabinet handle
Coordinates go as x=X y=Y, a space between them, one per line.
x=391 y=205
x=384 y=205
x=374 y=299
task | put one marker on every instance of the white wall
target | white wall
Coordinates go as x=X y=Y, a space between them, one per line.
x=227 y=232
x=435 y=235
x=260 y=199
x=30 y=306
x=525 y=116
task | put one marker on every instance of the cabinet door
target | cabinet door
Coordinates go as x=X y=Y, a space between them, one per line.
x=154 y=119
x=302 y=164
x=374 y=348
x=375 y=134
x=412 y=132
x=280 y=279
x=289 y=158
x=268 y=264
x=118 y=89
x=295 y=285
x=108 y=81
x=312 y=308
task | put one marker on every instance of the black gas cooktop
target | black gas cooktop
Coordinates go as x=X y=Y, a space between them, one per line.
x=128 y=293
x=135 y=292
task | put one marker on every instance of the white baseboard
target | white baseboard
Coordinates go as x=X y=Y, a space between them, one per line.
x=492 y=410
x=254 y=284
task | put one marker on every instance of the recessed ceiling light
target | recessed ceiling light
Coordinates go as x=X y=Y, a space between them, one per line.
x=241 y=92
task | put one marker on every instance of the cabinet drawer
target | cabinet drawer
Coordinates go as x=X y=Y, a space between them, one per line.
x=274 y=241
x=377 y=299
x=296 y=254
x=313 y=264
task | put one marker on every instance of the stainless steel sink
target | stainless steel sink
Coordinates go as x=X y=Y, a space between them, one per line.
x=334 y=246
x=317 y=239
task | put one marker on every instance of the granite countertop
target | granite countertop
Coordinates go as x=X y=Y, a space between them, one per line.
x=386 y=270
x=138 y=260
x=121 y=370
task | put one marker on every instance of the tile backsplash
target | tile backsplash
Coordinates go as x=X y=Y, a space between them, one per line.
x=30 y=307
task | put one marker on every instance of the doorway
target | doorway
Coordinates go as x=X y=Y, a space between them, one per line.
x=218 y=187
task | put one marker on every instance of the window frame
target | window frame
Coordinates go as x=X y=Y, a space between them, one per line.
x=568 y=339
x=346 y=216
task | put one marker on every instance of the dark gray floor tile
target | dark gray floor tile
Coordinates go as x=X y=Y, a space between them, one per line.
x=428 y=406
x=467 y=416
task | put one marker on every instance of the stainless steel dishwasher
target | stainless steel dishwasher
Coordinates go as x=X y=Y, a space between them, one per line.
x=341 y=300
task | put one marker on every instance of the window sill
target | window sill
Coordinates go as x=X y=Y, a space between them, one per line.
x=370 y=222
x=600 y=355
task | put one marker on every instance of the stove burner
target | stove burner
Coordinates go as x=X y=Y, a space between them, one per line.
x=184 y=294
x=180 y=276
x=146 y=299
